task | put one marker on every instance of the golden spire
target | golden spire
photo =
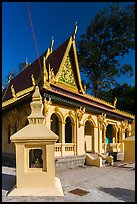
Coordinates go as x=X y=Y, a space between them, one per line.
x=75 y=31
x=52 y=43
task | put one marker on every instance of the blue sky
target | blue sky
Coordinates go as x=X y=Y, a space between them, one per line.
x=49 y=19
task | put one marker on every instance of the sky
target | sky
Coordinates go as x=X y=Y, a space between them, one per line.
x=49 y=19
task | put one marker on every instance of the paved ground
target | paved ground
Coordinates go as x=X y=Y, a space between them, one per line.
x=107 y=184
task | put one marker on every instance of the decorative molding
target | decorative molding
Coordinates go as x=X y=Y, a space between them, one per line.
x=63 y=60
x=77 y=68
x=66 y=86
x=71 y=115
x=45 y=73
x=58 y=112
x=125 y=113
x=99 y=100
x=89 y=118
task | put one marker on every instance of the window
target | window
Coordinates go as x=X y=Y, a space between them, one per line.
x=68 y=131
x=35 y=158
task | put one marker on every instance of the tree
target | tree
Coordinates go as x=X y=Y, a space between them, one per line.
x=125 y=97
x=110 y=35
x=14 y=72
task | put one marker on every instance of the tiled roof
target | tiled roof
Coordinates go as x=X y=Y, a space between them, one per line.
x=55 y=58
x=23 y=80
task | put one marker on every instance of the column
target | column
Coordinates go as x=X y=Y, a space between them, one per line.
x=75 y=137
x=80 y=140
x=95 y=144
x=104 y=138
x=63 y=139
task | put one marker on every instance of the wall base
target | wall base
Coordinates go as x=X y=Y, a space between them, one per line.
x=51 y=191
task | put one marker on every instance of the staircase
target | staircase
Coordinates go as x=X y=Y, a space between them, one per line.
x=93 y=159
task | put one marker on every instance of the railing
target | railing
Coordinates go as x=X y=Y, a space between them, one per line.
x=65 y=149
x=112 y=147
x=69 y=147
x=57 y=147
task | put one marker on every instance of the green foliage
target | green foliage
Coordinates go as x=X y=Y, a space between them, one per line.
x=110 y=35
x=14 y=72
x=125 y=97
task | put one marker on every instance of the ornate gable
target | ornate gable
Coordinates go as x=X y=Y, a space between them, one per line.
x=67 y=75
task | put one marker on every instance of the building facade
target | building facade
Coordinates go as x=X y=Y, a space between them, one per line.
x=82 y=122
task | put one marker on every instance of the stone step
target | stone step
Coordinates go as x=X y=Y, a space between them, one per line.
x=70 y=161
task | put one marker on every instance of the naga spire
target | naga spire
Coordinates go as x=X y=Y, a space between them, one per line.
x=75 y=31
x=52 y=43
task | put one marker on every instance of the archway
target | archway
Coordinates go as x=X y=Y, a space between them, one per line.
x=89 y=136
x=109 y=134
x=68 y=130
x=55 y=125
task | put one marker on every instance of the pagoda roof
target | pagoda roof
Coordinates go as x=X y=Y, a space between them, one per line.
x=38 y=73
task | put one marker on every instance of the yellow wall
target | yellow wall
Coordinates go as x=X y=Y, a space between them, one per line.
x=80 y=140
x=129 y=149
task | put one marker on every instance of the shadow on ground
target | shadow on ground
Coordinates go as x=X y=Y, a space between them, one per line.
x=8 y=162
x=8 y=182
x=123 y=194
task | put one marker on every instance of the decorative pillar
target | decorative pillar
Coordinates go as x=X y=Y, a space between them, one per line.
x=99 y=138
x=104 y=134
x=104 y=137
x=80 y=131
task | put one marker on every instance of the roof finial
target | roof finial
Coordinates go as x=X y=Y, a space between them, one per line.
x=115 y=102
x=2 y=87
x=52 y=43
x=75 y=31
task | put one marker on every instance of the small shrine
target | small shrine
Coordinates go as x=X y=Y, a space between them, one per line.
x=35 y=160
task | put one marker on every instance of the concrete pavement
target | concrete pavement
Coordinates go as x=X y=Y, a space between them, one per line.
x=107 y=184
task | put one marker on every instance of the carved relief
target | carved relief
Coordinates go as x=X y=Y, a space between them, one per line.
x=67 y=75
x=33 y=80
x=46 y=105
x=124 y=124
x=80 y=112
x=13 y=92
x=51 y=75
x=102 y=118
